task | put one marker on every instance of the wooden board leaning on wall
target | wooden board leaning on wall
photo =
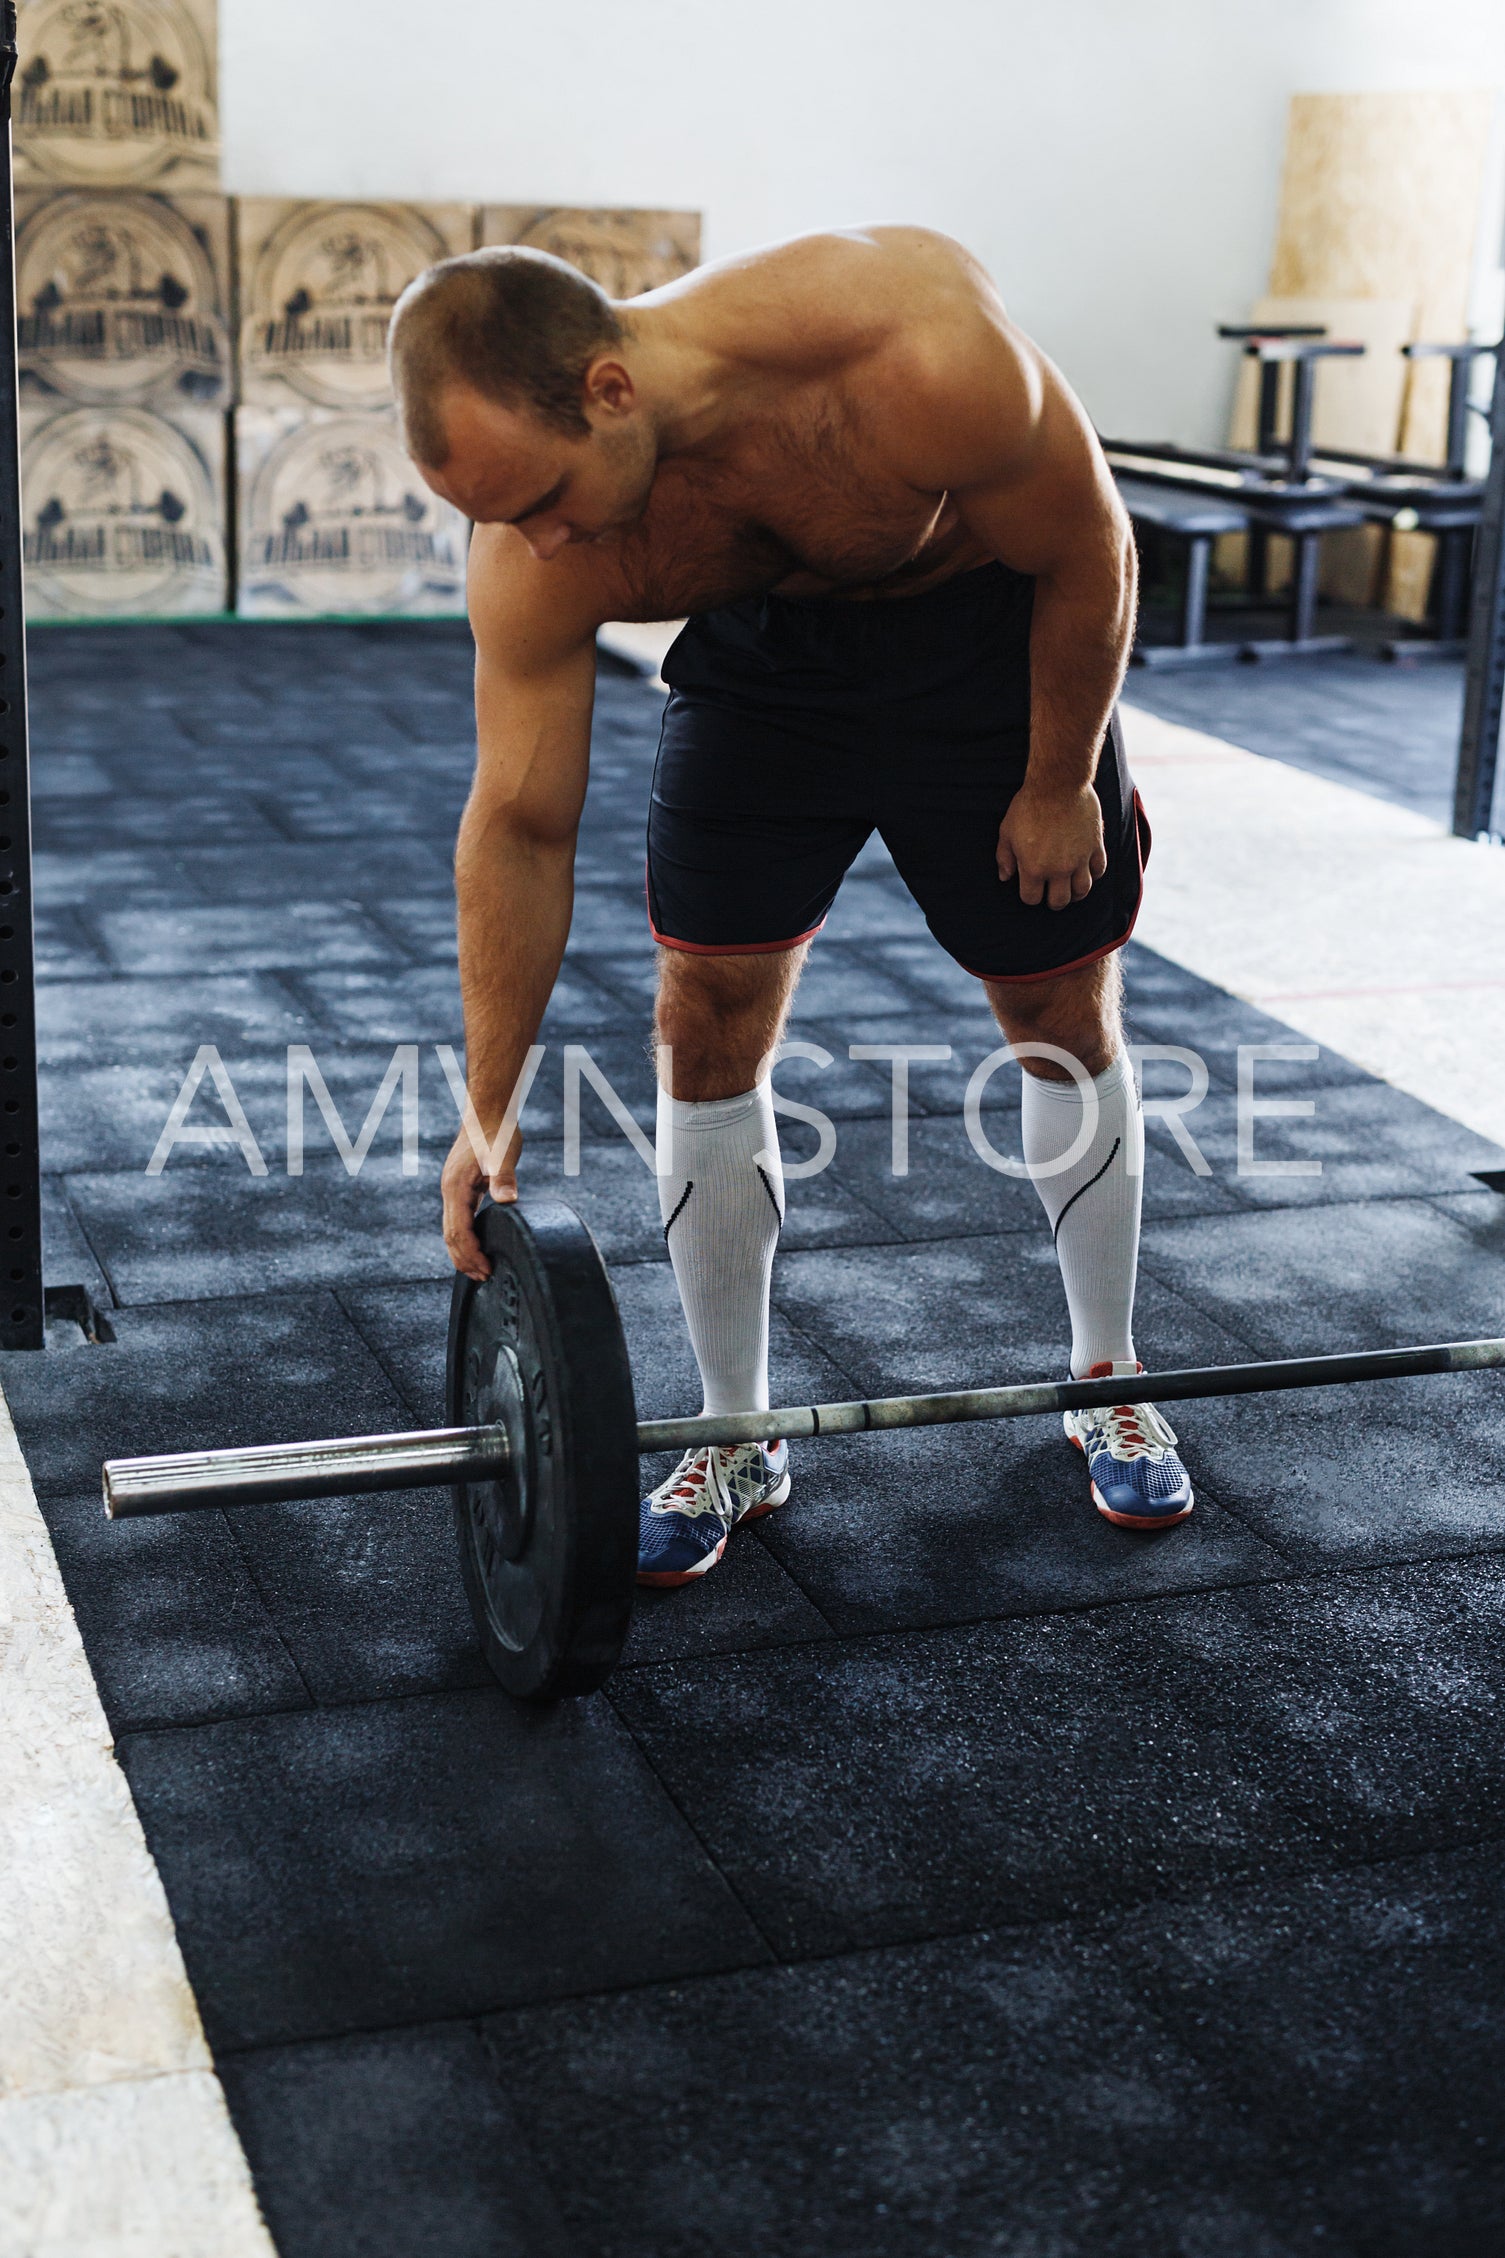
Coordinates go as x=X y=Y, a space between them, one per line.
x=1383 y=196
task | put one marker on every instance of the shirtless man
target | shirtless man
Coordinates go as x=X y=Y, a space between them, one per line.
x=910 y=589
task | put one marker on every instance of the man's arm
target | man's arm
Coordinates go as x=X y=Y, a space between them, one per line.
x=1022 y=464
x=515 y=856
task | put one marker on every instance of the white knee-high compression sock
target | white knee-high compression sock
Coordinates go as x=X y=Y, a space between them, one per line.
x=1093 y=1205
x=722 y=1203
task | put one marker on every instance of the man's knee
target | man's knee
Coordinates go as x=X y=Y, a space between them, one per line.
x=718 y=1018
x=1077 y=1013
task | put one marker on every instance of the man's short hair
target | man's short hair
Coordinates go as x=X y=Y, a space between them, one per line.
x=516 y=325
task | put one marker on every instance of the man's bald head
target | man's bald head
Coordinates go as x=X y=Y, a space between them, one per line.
x=517 y=326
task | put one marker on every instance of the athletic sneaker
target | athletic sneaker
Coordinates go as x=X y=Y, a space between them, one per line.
x=1138 y=1482
x=686 y=1521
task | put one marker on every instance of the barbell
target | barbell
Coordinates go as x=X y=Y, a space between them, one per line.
x=543 y=1443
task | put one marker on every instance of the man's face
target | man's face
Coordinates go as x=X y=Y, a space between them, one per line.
x=507 y=466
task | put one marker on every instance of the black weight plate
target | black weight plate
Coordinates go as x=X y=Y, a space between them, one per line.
x=549 y=1553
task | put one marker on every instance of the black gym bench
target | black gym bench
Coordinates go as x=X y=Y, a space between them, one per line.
x=1195 y=520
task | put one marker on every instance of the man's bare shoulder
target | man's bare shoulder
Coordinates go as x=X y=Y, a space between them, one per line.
x=530 y=619
x=830 y=296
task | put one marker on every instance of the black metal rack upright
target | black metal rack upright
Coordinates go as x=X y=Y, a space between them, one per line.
x=1484 y=689
x=21 y=1304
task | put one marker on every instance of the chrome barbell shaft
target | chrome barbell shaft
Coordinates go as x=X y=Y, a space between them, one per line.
x=272 y=1473
x=1024 y=1402
x=435 y=1457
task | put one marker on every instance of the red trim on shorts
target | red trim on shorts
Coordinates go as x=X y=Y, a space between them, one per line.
x=732 y=948
x=1142 y=843
x=723 y=948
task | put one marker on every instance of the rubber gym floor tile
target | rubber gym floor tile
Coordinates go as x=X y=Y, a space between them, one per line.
x=418 y=930
x=161 y=1022
x=609 y=849
x=1351 y=2016
x=99 y=878
x=66 y=945
x=978 y=1311
x=1368 y=1142
x=951 y=1192
x=922 y=966
x=233 y=722
x=667 y=1385
x=411 y=1003
x=273 y=767
x=112 y=1116
x=618 y=1197
x=66 y=827
x=748 y=1600
x=202 y=1233
x=946 y=1525
x=1214 y=1026
x=1319 y=1280
x=390 y=2142
x=877 y=1790
x=405 y=1328
x=67 y=1257
x=242 y=937
x=57 y=775
x=875 y=909
x=429 y=806
x=936 y=1086
x=1392 y=731
x=401 y=1861
x=612 y=916
x=1390 y=1470
x=172 y=1621
x=952 y=2100
x=840 y=982
x=297 y=872
x=192 y=1376
x=365 y=1593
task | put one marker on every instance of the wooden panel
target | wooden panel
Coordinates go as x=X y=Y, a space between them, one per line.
x=626 y=252
x=318 y=283
x=123 y=297
x=121 y=95
x=334 y=518
x=124 y=512
x=1382 y=196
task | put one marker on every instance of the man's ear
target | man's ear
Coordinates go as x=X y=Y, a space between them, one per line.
x=608 y=386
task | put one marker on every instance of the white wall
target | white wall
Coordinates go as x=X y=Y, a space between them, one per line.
x=1115 y=162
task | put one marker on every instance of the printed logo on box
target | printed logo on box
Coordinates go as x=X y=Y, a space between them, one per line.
x=624 y=252
x=117 y=299
x=116 y=90
x=322 y=294
x=121 y=514
x=336 y=519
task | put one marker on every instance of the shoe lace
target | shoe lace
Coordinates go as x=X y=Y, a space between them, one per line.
x=700 y=1483
x=1136 y=1430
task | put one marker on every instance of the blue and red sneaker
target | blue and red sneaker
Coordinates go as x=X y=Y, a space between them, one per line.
x=686 y=1521
x=1138 y=1482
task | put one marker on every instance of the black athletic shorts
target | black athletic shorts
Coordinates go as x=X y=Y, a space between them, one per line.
x=795 y=728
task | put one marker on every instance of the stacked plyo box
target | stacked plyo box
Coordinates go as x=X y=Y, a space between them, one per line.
x=625 y=252
x=123 y=309
x=148 y=303
x=333 y=517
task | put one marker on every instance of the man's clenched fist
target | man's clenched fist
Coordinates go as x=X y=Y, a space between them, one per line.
x=1052 y=842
